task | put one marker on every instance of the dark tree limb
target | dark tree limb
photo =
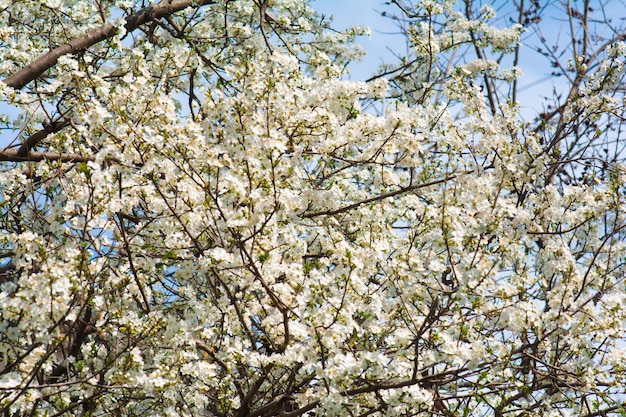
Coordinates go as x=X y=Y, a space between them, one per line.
x=106 y=31
x=13 y=155
x=33 y=140
x=8 y=273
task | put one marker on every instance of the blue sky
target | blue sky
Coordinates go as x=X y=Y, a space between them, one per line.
x=367 y=13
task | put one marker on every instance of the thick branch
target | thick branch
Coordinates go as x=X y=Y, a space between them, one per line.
x=108 y=30
x=34 y=140
x=13 y=155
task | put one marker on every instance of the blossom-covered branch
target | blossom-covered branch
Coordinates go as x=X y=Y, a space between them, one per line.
x=146 y=15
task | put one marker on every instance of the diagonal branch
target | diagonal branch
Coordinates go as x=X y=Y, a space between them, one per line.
x=383 y=196
x=106 y=31
x=34 y=139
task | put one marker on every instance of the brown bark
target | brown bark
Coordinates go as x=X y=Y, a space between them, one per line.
x=108 y=30
x=14 y=156
x=34 y=139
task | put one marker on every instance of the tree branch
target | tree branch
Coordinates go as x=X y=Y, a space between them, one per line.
x=34 y=139
x=383 y=196
x=108 y=30
x=13 y=155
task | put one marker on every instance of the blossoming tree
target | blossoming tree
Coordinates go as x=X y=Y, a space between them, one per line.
x=200 y=219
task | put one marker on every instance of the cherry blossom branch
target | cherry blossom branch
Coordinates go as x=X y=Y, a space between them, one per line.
x=33 y=140
x=211 y=353
x=13 y=155
x=132 y=265
x=384 y=196
x=427 y=382
x=106 y=31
